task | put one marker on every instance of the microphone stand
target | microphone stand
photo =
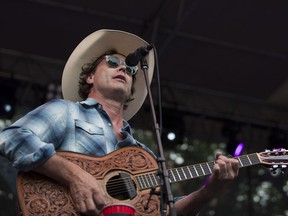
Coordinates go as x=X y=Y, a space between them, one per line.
x=165 y=189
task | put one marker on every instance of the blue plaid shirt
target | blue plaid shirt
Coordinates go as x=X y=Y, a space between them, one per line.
x=82 y=127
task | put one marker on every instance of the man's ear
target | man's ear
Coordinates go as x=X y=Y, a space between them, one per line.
x=89 y=79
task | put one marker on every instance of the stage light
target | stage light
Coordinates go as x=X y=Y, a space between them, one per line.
x=171 y=136
x=7 y=108
x=7 y=99
x=239 y=149
x=173 y=128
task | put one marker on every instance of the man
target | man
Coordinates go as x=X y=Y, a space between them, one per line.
x=113 y=92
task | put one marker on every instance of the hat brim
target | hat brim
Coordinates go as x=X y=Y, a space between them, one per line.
x=94 y=45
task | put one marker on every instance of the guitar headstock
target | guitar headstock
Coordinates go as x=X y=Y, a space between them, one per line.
x=276 y=159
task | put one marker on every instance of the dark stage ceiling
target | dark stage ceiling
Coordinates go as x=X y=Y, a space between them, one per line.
x=237 y=48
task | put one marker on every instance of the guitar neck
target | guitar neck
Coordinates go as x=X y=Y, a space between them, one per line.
x=146 y=181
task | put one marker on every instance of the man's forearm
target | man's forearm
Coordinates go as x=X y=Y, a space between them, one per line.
x=191 y=204
x=87 y=193
x=59 y=169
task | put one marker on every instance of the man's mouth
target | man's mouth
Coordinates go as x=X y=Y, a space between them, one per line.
x=121 y=77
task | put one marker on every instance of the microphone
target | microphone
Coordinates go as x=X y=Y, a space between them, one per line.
x=133 y=59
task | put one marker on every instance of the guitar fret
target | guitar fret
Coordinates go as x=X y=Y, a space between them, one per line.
x=240 y=162
x=185 y=177
x=144 y=182
x=195 y=170
x=179 y=176
x=172 y=174
x=140 y=181
x=202 y=168
x=249 y=160
x=191 y=176
x=149 y=180
x=245 y=160
x=181 y=173
x=153 y=179
x=206 y=169
x=210 y=171
x=186 y=172
x=199 y=169
x=254 y=157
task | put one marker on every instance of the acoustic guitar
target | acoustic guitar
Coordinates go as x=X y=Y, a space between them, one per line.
x=128 y=175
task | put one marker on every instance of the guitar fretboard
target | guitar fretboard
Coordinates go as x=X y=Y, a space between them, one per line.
x=151 y=180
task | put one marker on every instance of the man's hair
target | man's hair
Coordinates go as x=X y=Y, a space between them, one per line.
x=90 y=68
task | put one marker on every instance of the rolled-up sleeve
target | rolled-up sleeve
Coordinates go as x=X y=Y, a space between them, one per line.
x=32 y=140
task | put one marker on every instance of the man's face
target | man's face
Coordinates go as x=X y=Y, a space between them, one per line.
x=111 y=82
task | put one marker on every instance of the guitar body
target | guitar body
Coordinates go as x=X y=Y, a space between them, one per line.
x=40 y=195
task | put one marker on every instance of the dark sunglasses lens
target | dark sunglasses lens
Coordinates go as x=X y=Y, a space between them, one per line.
x=113 y=62
x=131 y=70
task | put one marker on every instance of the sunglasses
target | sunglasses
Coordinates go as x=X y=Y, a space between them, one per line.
x=114 y=62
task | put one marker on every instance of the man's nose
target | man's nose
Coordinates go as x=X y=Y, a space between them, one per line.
x=122 y=68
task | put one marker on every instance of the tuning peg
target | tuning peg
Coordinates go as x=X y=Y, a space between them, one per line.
x=283 y=167
x=273 y=171
x=284 y=151
x=268 y=151
x=276 y=151
x=275 y=166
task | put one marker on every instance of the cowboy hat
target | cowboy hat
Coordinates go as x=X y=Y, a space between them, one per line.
x=94 y=45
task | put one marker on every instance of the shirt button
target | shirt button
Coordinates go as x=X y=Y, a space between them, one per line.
x=109 y=124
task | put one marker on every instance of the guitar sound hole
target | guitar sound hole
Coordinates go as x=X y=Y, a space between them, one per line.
x=121 y=187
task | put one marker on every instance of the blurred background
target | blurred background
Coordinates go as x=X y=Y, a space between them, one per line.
x=223 y=68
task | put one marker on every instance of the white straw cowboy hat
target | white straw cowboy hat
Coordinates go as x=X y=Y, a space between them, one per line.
x=94 y=45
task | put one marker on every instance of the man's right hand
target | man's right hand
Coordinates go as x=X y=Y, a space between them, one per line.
x=86 y=192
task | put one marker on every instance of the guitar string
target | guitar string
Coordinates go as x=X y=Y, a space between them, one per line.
x=115 y=184
x=176 y=171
